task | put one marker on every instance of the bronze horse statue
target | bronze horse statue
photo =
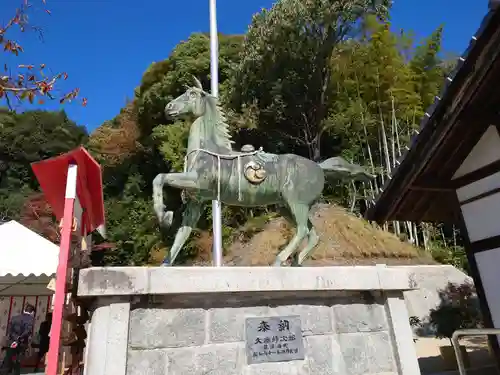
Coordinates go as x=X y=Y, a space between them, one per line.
x=249 y=178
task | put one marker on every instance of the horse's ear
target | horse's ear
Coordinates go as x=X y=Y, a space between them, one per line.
x=197 y=83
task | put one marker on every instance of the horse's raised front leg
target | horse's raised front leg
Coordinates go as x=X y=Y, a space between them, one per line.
x=190 y=217
x=188 y=181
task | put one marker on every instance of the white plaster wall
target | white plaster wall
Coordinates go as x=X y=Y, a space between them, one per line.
x=479 y=187
x=486 y=151
x=482 y=217
x=488 y=263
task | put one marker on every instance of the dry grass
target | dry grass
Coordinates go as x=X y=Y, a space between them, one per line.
x=344 y=239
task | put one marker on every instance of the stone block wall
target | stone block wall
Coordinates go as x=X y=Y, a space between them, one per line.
x=341 y=336
x=345 y=332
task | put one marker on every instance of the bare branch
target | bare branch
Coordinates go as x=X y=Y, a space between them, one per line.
x=29 y=82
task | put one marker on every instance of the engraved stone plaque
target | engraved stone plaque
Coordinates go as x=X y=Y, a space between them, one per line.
x=274 y=339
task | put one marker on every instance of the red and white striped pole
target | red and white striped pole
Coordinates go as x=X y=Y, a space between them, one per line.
x=62 y=272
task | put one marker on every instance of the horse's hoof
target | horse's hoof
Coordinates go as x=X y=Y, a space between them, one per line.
x=165 y=263
x=277 y=263
x=294 y=262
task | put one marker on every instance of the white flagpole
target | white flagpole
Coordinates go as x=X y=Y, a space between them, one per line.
x=214 y=74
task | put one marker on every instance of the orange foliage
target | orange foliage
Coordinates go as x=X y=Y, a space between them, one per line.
x=115 y=142
x=38 y=216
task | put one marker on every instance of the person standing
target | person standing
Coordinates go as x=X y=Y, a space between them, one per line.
x=19 y=330
x=44 y=339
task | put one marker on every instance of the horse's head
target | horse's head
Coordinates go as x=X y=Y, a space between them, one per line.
x=194 y=101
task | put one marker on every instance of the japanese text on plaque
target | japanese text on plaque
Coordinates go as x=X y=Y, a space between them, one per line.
x=274 y=339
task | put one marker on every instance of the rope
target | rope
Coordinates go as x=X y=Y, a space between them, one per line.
x=237 y=156
x=218 y=177
x=239 y=180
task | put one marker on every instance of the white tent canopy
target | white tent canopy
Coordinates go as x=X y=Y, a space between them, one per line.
x=27 y=261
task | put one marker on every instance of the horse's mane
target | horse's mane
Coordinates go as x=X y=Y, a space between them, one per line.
x=222 y=135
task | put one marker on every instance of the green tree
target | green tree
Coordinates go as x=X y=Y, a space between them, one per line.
x=285 y=67
x=25 y=138
x=427 y=67
x=32 y=136
x=172 y=143
x=374 y=89
x=131 y=225
x=11 y=203
x=167 y=79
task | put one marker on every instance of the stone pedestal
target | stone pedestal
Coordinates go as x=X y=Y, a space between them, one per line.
x=173 y=321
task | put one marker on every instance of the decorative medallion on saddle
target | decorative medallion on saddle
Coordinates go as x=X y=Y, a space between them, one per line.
x=254 y=172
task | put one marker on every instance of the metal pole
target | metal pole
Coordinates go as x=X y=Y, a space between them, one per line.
x=468 y=332
x=214 y=74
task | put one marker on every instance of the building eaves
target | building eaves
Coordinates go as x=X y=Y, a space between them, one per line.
x=427 y=130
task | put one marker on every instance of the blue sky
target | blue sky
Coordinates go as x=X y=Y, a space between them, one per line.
x=105 y=45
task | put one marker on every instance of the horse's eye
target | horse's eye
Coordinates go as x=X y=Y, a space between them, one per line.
x=192 y=95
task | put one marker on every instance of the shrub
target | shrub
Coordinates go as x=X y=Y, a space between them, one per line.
x=458 y=309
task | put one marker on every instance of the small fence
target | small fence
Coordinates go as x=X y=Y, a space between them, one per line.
x=469 y=332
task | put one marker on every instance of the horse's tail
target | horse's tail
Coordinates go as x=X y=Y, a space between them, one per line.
x=338 y=168
x=164 y=217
